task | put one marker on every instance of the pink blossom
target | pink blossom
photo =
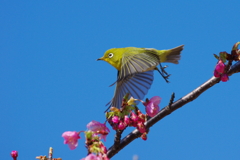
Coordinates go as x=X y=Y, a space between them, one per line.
x=91 y=157
x=71 y=138
x=95 y=157
x=144 y=136
x=141 y=117
x=103 y=148
x=103 y=135
x=224 y=78
x=103 y=157
x=220 y=67
x=219 y=71
x=134 y=117
x=121 y=125
x=152 y=107
x=141 y=127
x=14 y=154
x=115 y=119
x=98 y=128
x=126 y=120
x=216 y=74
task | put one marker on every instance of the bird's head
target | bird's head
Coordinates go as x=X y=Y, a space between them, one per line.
x=114 y=57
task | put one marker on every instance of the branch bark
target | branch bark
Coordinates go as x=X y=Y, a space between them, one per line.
x=169 y=109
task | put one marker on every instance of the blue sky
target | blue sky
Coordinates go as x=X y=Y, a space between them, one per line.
x=51 y=82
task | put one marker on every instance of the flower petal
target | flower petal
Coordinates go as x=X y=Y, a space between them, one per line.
x=155 y=100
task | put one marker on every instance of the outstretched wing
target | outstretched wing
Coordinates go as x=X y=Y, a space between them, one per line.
x=136 y=85
x=138 y=63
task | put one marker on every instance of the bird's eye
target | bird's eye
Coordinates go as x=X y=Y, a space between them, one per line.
x=110 y=55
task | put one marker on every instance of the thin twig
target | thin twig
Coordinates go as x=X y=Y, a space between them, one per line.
x=171 y=101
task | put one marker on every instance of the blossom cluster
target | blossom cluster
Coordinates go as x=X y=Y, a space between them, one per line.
x=119 y=119
x=96 y=149
x=221 y=68
x=130 y=115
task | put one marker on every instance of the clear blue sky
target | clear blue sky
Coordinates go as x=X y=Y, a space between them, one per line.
x=51 y=82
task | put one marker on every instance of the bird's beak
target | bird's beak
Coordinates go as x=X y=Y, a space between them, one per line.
x=100 y=59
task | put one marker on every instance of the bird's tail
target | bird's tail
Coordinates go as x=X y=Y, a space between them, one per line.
x=172 y=55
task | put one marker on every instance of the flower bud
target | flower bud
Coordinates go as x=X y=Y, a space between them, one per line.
x=126 y=120
x=14 y=154
x=115 y=119
x=134 y=117
x=141 y=127
x=144 y=136
x=121 y=125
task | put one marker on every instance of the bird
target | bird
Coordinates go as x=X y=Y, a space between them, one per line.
x=135 y=68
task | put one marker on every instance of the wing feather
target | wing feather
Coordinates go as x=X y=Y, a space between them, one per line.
x=137 y=63
x=137 y=85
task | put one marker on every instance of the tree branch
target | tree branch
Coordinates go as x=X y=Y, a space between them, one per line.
x=169 y=109
x=234 y=69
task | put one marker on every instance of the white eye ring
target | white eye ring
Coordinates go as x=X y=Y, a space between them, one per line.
x=110 y=55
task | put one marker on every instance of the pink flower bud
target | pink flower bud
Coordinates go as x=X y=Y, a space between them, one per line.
x=144 y=136
x=91 y=157
x=224 y=78
x=141 y=117
x=103 y=157
x=103 y=149
x=121 y=125
x=98 y=128
x=220 y=67
x=14 y=154
x=141 y=127
x=126 y=120
x=115 y=119
x=71 y=138
x=134 y=117
x=216 y=74
x=152 y=107
x=219 y=71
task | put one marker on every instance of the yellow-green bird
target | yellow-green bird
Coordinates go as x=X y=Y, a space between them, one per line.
x=135 y=69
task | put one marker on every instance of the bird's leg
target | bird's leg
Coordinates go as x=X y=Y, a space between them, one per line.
x=162 y=69
x=163 y=73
